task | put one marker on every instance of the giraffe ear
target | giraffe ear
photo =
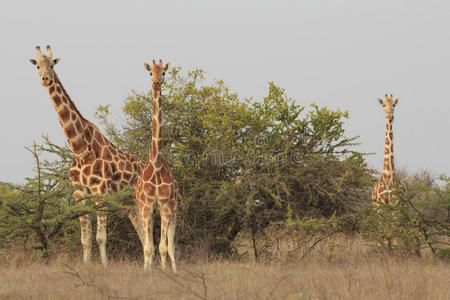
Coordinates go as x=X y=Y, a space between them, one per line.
x=56 y=60
x=167 y=66
x=397 y=101
x=33 y=61
x=147 y=66
x=381 y=101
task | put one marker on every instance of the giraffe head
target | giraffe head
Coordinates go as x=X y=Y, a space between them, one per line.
x=157 y=71
x=389 y=103
x=45 y=63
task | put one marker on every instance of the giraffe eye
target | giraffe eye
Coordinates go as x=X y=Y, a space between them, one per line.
x=164 y=73
x=151 y=74
x=37 y=67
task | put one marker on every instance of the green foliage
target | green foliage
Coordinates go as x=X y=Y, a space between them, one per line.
x=41 y=216
x=41 y=211
x=243 y=164
x=420 y=220
x=444 y=254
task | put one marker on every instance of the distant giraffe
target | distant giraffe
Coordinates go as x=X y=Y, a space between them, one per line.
x=156 y=185
x=384 y=190
x=98 y=166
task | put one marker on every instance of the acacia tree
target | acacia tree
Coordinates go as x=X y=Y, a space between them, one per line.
x=242 y=164
x=42 y=215
x=420 y=220
x=40 y=211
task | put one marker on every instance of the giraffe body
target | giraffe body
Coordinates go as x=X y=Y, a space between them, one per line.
x=98 y=166
x=156 y=187
x=386 y=188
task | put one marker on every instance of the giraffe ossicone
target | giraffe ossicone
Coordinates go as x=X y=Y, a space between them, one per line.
x=385 y=190
x=156 y=186
x=98 y=166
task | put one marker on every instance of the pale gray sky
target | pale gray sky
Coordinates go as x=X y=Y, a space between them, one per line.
x=342 y=54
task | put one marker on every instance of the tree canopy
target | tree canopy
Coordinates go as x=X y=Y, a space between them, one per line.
x=243 y=164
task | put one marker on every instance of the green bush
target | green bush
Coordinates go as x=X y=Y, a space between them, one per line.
x=243 y=164
x=420 y=220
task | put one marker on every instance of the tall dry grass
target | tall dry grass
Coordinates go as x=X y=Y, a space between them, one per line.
x=344 y=270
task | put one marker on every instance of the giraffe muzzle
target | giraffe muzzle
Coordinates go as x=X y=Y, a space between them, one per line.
x=46 y=81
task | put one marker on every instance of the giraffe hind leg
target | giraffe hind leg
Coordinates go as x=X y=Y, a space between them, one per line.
x=146 y=213
x=86 y=228
x=171 y=241
x=163 y=241
x=101 y=236
x=137 y=224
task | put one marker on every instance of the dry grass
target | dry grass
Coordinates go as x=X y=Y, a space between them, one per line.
x=347 y=272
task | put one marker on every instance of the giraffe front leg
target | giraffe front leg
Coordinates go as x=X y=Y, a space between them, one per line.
x=86 y=228
x=133 y=215
x=171 y=241
x=166 y=216
x=146 y=212
x=101 y=235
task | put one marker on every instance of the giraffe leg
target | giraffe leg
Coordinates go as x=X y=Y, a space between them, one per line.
x=137 y=224
x=146 y=212
x=171 y=241
x=165 y=217
x=86 y=228
x=101 y=236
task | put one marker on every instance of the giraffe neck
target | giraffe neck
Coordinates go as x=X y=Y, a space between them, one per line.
x=156 y=150
x=388 y=166
x=72 y=122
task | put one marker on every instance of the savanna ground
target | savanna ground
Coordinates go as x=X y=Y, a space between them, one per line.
x=342 y=268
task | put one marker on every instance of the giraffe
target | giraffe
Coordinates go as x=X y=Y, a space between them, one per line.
x=384 y=190
x=156 y=185
x=98 y=166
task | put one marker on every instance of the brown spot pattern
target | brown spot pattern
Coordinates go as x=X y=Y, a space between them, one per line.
x=74 y=175
x=56 y=100
x=148 y=172
x=163 y=189
x=107 y=170
x=102 y=188
x=70 y=131
x=128 y=167
x=87 y=170
x=88 y=134
x=94 y=180
x=99 y=137
x=97 y=149
x=154 y=149
x=155 y=130
x=64 y=114
x=79 y=146
x=126 y=176
x=88 y=158
x=106 y=154
x=78 y=126
x=97 y=168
